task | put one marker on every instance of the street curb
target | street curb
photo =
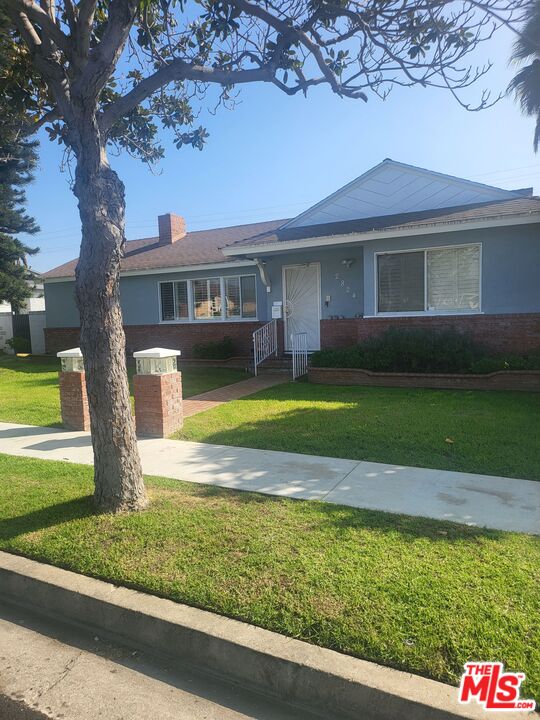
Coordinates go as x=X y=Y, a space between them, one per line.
x=314 y=678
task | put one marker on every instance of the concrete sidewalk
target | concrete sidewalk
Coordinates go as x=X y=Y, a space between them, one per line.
x=480 y=500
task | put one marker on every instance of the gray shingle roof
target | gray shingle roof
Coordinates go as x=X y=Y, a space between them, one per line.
x=196 y=248
x=402 y=221
x=205 y=246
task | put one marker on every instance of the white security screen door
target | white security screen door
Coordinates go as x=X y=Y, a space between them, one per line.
x=301 y=299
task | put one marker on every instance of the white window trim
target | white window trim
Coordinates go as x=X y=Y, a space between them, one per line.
x=423 y=313
x=192 y=319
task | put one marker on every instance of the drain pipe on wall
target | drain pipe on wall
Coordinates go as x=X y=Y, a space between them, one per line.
x=262 y=272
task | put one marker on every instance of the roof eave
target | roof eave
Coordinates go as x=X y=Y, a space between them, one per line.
x=164 y=270
x=396 y=232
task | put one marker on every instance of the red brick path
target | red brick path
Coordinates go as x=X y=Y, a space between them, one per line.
x=213 y=398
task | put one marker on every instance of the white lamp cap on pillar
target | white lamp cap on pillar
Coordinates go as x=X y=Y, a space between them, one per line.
x=156 y=361
x=156 y=353
x=73 y=353
x=72 y=360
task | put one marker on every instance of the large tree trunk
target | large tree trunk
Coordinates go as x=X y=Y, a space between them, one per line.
x=118 y=476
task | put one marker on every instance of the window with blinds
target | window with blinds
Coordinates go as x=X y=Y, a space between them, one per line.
x=401 y=282
x=249 y=296
x=206 y=299
x=167 y=301
x=209 y=298
x=232 y=296
x=453 y=276
x=174 y=300
x=435 y=279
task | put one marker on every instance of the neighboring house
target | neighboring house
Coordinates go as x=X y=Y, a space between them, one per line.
x=398 y=246
x=28 y=323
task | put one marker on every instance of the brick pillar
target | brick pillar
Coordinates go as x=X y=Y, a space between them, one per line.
x=73 y=398
x=158 y=393
x=74 y=401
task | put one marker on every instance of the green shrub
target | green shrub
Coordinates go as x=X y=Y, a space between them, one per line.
x=422 y=351
x=216 y=350
x=407 y=350
x=19 y=344
x=506 y=362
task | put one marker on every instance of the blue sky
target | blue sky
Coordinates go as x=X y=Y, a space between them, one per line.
x=274 y=156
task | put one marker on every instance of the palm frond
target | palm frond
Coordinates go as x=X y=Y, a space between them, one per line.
x=526 y=86
x=528 y=42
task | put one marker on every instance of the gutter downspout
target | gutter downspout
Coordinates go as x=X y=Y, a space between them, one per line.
x=262 y=272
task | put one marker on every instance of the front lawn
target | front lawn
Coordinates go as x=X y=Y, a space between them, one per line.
x=415 y=594
x=29 y=387
x=493 y=433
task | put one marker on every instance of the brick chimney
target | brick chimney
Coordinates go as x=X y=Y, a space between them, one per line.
x=171 y=228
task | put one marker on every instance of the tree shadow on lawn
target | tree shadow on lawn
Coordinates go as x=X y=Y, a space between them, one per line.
x=413 y=438
x=345 y=518
x=319 y=516
x=47 y=517
x=29 y=364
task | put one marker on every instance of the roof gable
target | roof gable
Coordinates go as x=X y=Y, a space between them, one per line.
x=393 y=187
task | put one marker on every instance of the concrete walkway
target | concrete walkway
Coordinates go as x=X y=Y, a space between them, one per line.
x=480 y=500
x=213 y=398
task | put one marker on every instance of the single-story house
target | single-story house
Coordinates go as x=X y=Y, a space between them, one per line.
x=399 y=245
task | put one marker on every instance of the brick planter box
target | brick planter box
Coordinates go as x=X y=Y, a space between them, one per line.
x=527 y=380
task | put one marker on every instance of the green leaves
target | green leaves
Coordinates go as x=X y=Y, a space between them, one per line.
x=196 y=138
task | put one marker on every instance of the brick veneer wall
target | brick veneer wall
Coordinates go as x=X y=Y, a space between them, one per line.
x=175 y=336
x=501 y=333
x=528 y=380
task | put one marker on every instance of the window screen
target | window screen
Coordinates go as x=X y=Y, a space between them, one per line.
x=206 y=299
x=232 y=293
x=167 y=301
x=453 y=276
x=249 y=297
x=400 y=282
x=182 y=311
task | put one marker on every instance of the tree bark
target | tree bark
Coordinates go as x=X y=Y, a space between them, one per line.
x=118 y=475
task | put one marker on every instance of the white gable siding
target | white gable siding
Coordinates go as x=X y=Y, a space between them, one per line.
x=391 y=188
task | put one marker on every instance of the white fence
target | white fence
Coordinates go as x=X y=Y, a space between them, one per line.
x=299 y=354
x=264 y=343
x=37 y=336
x=6 y=330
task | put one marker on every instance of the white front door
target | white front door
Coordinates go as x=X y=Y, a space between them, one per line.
x=301 y=301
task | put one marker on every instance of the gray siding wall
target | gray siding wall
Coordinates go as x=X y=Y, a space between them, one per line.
x=344 y=285
x=510 y=278
x=139 y=296
x=510 y=265
x=60 y=307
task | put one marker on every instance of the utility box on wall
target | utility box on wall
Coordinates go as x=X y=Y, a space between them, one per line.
x=277 y=308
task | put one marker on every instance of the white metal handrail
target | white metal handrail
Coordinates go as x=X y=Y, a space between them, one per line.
x=299 y=354
x=264 y=343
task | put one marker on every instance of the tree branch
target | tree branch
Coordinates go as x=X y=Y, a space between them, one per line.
x=85 y=21
x=38 y=16
x=178 y=70
x=103 y=58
